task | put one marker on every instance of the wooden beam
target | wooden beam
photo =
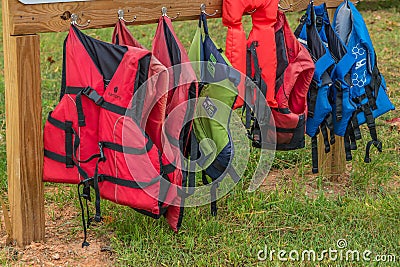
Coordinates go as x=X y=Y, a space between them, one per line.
x=32 y=19
x=23 y=134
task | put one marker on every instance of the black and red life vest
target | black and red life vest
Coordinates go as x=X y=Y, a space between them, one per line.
x=182 y=96
x=282 y=126
x=94 y=136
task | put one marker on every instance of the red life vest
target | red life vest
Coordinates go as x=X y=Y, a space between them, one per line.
x=156 y=93
x=167 y=48
x=263 y=14
x=293 y=77
x=294 y=73
x=97 y=118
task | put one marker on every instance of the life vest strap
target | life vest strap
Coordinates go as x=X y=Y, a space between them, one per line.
x=213 y=193
x=62 y=159
x=84 y=223
x=372 y=131
x=324 y=133
x=353 y=144
x=314 y=154
x=99 y=100
x=299 y=28
x=356 y=126
x=92 y=94
x=372 y=89
x=347 y=142
x=127 y=149
x=339 y=100
x=313 y=91
x=169 y=168
x=128 y=183
x=69 y=132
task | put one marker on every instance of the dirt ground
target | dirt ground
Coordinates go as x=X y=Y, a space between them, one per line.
x=60 y=248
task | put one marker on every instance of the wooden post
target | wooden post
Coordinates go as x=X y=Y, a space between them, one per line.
x=332 y=164
x=23 y=133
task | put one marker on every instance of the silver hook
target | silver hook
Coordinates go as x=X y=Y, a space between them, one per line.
x=121 y=16
x=164 y=13
x=203 y=10
x=74 y=21
x=285 y=8
x=252 y=11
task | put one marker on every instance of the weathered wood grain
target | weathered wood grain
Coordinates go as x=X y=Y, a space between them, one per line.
x=24 y=134
x=30 y=19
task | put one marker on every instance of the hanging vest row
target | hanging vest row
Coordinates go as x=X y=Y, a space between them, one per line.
x=337 y=103
x=119 y=129
x=105 y=132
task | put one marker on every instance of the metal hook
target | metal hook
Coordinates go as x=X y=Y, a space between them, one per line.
x=164 y=13
x=252 y=11
x=121 y=16
x=203 y=10
x=74 y=21
x=285 y=8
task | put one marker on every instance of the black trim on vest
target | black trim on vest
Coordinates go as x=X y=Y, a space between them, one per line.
x=140 y=95
x=313 y=91
x=347 y=143
x=314 y=154
x=68 y=144
x=163 y=210
x=96 y=98
x=127 y=149
x=69 y=132
x=299 y=28
x=128 y=183
x=339 y=100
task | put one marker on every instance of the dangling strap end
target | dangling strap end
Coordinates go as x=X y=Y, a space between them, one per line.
x=97 y=218
x=214 y=209
x=314 y=145
x=85 y=244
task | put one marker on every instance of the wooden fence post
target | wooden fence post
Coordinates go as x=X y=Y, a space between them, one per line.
x=23 y=133
x=332 y=164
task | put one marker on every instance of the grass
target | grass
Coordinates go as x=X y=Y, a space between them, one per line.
x=366 y=211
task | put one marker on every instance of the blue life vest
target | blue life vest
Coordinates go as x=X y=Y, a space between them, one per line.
x=369 y=87
x=343 y=106
x=319 y=107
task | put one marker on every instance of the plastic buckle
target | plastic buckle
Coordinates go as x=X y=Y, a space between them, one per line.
x=338 y=86
x=98 y=99
x=102 y=157
x=87 y=91
x=319 y=21
x=93 y=95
